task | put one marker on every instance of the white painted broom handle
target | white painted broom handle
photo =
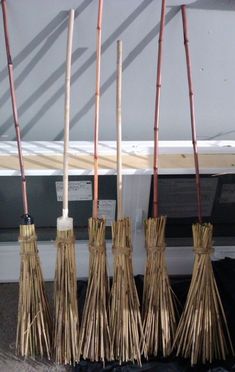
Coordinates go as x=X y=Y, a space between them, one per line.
x=119 y=129
x=67 y=110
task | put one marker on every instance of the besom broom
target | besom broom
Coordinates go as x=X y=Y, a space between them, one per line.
x=159 y=310
x=202 y=334
x=125 y=323
x=95 y=343
x=33 y=336
x=66 y=322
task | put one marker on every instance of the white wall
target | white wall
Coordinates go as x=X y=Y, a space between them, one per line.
x=38 y=41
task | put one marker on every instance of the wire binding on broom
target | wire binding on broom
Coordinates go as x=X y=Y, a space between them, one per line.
x=202 y=334
x=159 y=305
x=33 y=336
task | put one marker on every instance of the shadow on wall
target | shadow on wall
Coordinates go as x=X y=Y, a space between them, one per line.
x=47 y=36
x=126 y=63
x=51 y=32
x=225 y=5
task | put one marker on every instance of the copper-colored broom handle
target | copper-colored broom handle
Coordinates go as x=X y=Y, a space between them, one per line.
x=157 y=108
x=14 y=107
x=192 y=112
x=97 y=108
x=119 y=131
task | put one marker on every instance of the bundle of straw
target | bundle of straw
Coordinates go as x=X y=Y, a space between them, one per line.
x=159 y=320
x=66 y=322
x=125 y=324
x=33 y=336
x=203 y=333
x=158 y=299
x=95 y=343
x=34 y=322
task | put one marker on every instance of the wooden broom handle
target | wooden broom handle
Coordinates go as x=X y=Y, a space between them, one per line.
x=67 y=110
x=119 y=130
x=192 y=112
x=14 y=108
x=157 y=110
x=97 y=108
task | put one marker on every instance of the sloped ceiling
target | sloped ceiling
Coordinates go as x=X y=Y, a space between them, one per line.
x=38 y=42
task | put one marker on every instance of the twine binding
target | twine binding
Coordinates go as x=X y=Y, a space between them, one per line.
x=200 y=250
x=117 y=250
x=27 y=239
x=156 y=248
x=96 y=248
x=64 y=241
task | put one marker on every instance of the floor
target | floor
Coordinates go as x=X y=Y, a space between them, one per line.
x=9 y=362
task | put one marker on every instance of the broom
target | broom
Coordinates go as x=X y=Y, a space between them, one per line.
x=126 y=326
x=34 y=322
x=202 y=333
x=95 y=343
x=66 y=322
x=159 y=319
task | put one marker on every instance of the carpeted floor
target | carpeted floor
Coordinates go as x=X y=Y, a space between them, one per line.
x=9 y=362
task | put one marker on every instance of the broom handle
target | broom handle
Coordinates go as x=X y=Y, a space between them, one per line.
x=14 y=108
x=67 y=111
x=119 y=130
x=192 y=111
x=97 y=108
x=157 y=110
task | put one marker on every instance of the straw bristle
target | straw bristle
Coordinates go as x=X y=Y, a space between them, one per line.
x=159 y=319
x=202 y=333
x=126 y=325
x=34 y=322
x=66 y=322
x=95 y=343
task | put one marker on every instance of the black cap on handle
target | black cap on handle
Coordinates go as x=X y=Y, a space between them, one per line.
x=27 y=219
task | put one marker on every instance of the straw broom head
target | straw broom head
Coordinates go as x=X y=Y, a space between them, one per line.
x=159 y=305
x=126 y=324
x=66 y=322
x=95 y=343
x=202 y=333
x=34 y=323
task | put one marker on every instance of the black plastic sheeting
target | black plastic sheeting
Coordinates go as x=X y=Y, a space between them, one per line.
x=225 y=275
